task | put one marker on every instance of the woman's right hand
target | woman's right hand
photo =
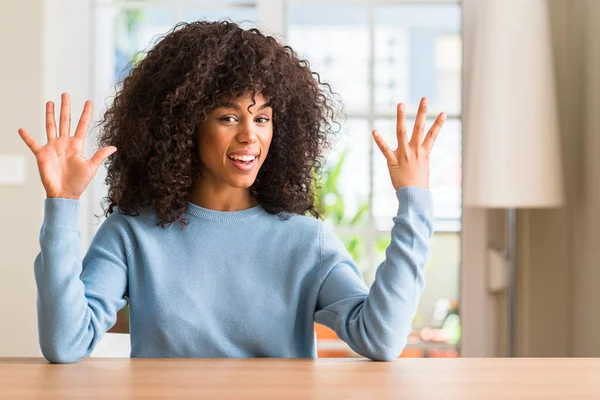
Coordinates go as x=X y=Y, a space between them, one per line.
x=64 y=170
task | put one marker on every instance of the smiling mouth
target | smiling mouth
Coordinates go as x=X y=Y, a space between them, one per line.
x=243 y=163
x=246 y=159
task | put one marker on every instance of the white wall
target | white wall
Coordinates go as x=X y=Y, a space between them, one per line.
x=45 y=51
x=21 y=105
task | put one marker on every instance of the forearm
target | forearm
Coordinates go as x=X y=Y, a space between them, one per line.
x=69 y=320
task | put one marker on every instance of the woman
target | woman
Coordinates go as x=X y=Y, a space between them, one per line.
x=219 y=131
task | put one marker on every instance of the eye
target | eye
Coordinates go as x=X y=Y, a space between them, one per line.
x=262 y=120
x=228 y=118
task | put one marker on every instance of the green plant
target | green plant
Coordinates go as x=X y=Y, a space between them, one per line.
x=330 y=204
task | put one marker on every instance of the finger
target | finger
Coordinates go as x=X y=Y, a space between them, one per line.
x=101 y=155
x=401 y=127
x=417 y=136
x=84 y=121
x=50 y=121
x=434 y=132
x=29 y=141
x=383 y=146
x=65 y=115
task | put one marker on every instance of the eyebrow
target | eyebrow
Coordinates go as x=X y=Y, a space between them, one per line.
x=236 y=107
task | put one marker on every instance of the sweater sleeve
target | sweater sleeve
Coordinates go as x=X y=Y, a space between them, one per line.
x=78 y=299
x=375 y=323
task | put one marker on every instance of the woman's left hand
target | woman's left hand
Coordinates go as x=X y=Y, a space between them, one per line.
x=409 y=163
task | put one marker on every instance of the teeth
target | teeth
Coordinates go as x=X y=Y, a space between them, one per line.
x=242 y=158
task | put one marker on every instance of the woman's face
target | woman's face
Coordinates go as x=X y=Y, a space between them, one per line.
x=234 y=141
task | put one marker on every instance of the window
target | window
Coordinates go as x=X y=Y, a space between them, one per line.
x=374 y=55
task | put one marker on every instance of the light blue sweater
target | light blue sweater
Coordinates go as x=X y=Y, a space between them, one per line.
x=231 y=284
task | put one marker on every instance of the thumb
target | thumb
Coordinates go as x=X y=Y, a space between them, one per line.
x=388 y=153
x=101 y=155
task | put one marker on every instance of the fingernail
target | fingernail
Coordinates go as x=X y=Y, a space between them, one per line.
x=401 y=106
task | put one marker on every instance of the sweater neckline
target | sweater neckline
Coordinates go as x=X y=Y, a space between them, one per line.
x=223 y=216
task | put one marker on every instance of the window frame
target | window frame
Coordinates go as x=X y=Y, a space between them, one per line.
x=370 y=232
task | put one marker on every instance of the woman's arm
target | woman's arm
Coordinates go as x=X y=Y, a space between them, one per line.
x=375 y=323
x=78 y=299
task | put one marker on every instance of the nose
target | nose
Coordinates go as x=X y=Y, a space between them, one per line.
x=246 y=132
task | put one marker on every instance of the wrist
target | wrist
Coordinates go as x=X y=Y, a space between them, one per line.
x=61 y=196
x=402 y=185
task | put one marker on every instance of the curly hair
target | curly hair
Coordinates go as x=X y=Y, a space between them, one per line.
x=195 y=68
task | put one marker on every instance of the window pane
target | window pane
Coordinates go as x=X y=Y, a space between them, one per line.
x=334 y=39
x=122 y=36
x=417 y=54
x=247 y=17
x=137 y=30
x=445 y=176
x=345 y=181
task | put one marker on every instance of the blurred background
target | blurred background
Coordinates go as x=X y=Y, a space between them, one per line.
x=478 y=301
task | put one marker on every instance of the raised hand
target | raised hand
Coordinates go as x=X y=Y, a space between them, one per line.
x=64 y=170
x=409 y=163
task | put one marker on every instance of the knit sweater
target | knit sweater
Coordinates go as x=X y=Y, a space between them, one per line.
x=230 y=284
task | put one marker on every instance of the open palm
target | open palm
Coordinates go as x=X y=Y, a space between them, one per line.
x=409 y=163
x=63 y=168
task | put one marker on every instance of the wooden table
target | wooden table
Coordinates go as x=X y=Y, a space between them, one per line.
x=575 y=378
